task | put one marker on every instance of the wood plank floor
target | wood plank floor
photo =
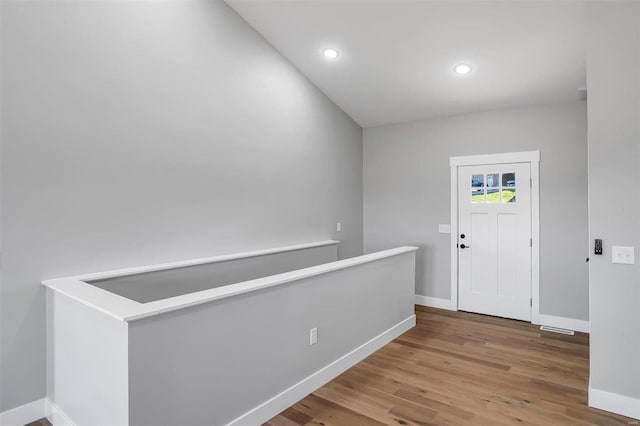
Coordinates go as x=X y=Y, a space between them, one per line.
x=457 y=368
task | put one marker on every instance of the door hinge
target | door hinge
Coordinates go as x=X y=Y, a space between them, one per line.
x=530 y=182
x=530 y=242
x=531 y=302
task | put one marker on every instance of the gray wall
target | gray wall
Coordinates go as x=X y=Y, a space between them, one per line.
x=407 y=192
x=613 y=60
x=136 y=133
x=216 y=361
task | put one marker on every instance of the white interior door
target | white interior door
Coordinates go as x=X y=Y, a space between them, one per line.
x=494 y=240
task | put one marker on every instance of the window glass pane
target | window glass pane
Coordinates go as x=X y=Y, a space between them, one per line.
x=508 y=180
x=477 y=181
x=493 y=180
x=477 y=195
x=509 y=195
x=493 y=196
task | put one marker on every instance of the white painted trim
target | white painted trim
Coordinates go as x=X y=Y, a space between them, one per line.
x=454 y=238
x=433 y=302
x=535 y=236
x=198 y=261
x=532 y=157
x=508 y=157
x=24 y=414
x=295 y=393
x=566 y=323
x=55 y=415
x=615 y=403
x=32 y=411
x=124 y=309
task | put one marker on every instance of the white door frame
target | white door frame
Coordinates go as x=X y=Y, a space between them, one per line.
x=532 y=157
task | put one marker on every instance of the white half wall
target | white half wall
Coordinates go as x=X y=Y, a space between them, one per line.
x=87 y=362
x=218 y=361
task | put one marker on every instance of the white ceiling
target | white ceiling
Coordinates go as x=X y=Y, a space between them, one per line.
x=397 y=57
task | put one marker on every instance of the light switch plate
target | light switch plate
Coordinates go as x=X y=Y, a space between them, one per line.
x=620 y=254
x=444 y=228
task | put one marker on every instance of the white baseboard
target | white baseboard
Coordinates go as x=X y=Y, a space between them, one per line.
x=24 y=414
x=295 y=393
x=433 y=302
x=549 y=320
x=56 y=416
x=566 y=323
x=32 y=411
x=615 y=403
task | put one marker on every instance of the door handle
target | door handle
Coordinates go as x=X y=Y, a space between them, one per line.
x=462 y=246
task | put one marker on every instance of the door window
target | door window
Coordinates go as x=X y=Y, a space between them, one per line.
x=493 y=188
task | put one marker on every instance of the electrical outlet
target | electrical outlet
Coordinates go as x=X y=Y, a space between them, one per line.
x=313 y=336
x=444 y=228
x=339 y=227
x=621 y=254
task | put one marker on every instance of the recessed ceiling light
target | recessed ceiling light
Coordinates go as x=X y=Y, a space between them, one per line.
x=330 y=53
x=462 y=69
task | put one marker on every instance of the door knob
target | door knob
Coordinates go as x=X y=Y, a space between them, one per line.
x=461 y=235
x=462 y=246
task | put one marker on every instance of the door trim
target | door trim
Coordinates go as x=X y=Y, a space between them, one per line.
x=531 y=157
